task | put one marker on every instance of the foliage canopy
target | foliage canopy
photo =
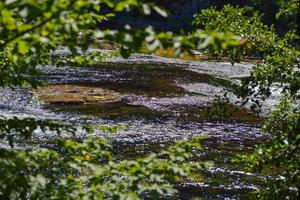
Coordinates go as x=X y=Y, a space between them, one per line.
x=278 y=73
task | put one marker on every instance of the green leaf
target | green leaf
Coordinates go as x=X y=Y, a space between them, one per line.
x=23 y=47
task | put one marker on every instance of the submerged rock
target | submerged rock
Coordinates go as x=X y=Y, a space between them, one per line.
x=67 y=94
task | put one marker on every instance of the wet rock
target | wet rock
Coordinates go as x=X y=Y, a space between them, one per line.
x=170 y=103
x=76 y=95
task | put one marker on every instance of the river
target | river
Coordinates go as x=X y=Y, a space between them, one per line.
x=157 y=101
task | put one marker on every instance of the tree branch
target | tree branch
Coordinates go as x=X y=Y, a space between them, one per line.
x=34 y=27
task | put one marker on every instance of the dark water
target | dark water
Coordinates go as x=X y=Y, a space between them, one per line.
x=162 y=101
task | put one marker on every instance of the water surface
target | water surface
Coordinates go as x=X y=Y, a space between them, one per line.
x=162 y=100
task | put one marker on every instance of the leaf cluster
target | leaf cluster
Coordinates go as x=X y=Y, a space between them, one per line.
x=258 y=38
x=87 y=170
x=282 y=152
x=277 y=73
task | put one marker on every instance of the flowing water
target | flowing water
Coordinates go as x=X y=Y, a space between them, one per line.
x=159 y=101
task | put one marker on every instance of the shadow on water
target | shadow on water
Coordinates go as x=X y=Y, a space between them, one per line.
x=219 y=112
x=154 y=80
x=116 y=111
x=223 y=180
x=159 y=81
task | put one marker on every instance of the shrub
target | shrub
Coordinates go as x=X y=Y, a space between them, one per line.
x=244 y=22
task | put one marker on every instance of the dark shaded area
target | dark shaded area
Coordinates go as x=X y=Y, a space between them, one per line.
x=181 y=15
x=115 y=111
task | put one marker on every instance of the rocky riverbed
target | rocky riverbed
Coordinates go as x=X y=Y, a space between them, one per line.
x=157 y=101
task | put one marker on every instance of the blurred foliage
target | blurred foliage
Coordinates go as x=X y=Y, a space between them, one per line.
x=87 y=170
x=82 y=59
x=17 y=130
x=31 y=30
x=91 y=128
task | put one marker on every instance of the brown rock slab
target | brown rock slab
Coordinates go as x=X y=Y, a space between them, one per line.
x=75 y=95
